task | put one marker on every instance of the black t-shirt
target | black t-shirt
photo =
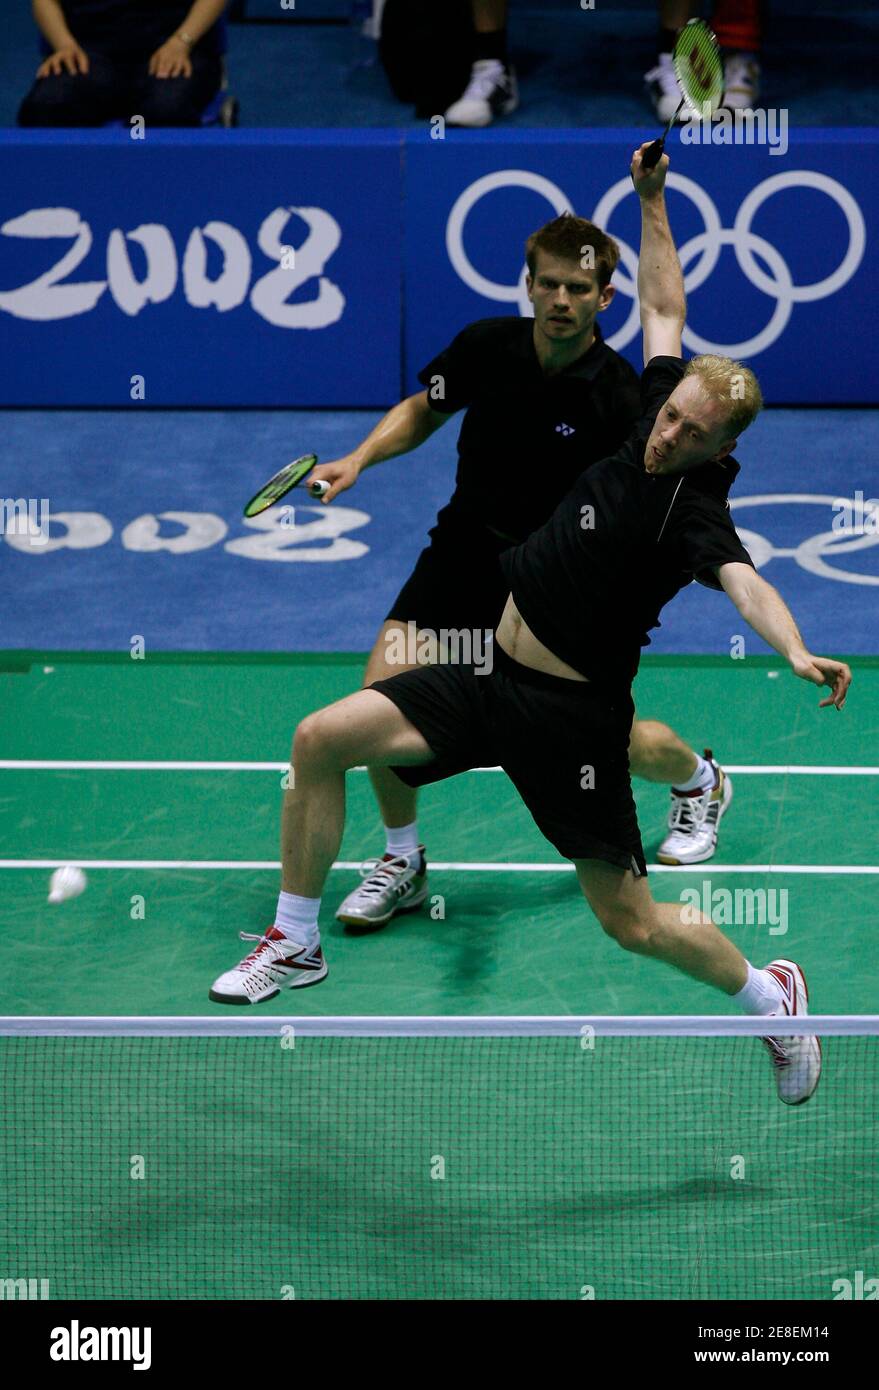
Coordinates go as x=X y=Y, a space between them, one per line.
x=525 y=436
x=131 y=28
x=591 y=584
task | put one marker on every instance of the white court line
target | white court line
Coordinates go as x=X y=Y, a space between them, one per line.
x=268 y=864
x=156 y=765
x=133 y=765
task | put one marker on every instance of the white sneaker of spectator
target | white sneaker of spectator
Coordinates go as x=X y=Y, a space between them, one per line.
x=741 y=73
x=492 y=91
x=663 y=89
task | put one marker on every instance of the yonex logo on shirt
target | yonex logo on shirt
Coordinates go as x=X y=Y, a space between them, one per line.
x=565 y=429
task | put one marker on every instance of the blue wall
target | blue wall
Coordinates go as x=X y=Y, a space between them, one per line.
x=158 y=266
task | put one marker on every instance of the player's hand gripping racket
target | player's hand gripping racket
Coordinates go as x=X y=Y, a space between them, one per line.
x=278 y=486
x=699 y=69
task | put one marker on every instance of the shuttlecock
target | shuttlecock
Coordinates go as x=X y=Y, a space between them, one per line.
x=65 y=883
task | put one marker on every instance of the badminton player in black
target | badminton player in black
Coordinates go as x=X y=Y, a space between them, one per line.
x=543 y=399
x=555 y=710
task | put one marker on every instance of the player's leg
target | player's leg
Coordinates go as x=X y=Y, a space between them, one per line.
x=625 y=907
x=456 y=583
x=395 y=642
x=700 y=790
x=738 y=25
x=657 y=754
x=363 y=728
x=397 y=881
x=688 y=940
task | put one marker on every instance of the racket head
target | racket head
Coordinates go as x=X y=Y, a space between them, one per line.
x=276 y=487
x=698 y=65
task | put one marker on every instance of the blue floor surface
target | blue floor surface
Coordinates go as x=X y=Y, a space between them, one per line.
x=198 y=578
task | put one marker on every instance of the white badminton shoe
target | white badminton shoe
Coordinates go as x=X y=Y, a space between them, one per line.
x=796 y=1061
x=741 y=73
x=392 y=884
x=276 y=964
x=693 y=821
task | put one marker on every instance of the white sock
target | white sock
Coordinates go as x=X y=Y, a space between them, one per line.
x=296 y=918
x=761 y=994
x=702 y=779
x=402 y=839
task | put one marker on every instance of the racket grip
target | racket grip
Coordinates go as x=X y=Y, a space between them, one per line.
x=319 y=488
x=653 y=154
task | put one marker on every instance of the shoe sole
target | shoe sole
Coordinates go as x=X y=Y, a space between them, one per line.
x=506 y=110
x=817 y=1083
x=297 y=984
x=364 y=926
x=702 y=858
x=798 y=970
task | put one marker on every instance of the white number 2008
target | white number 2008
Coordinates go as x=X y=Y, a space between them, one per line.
x=45 y=298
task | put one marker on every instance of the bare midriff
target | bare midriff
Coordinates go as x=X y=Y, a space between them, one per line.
x=518 y=641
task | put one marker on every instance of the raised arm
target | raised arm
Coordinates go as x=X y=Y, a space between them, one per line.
x=660 y=282
x=763 y=609
x=405 y=426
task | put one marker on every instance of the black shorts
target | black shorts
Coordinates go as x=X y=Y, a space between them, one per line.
x=564 y=745
x=457 y=582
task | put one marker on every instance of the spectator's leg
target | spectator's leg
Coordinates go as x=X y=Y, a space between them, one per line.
x=490 y=23
x=662 y=84
x=738 y=24
x=673 y=15
x=179 y=101
x=81 y=99
x=492 y=89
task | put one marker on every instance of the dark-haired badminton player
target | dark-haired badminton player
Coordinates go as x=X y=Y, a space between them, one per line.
x=543 y=399
x=558 y=699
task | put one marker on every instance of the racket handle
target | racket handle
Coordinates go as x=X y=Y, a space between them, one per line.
x=319 y=488
x=653 y=154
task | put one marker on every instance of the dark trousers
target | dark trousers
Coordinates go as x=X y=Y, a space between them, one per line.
x=115 y=88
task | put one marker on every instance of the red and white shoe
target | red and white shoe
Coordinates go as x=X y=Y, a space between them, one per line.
x=276 y=964
x=797 y=1061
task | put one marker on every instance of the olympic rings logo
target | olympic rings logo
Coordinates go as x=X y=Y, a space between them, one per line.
x=812 y=554
x=706 y=246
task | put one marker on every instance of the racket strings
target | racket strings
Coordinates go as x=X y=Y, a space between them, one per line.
x=699 y=67
x=288 y=477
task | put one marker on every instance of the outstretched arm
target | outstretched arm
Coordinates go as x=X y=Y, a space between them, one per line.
x=405 y=426
x=660 y=282
x=763 y=609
